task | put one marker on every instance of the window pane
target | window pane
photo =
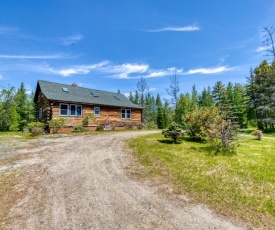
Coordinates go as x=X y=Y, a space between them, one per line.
x=97 y=110
x=128 y=114
x=73 y=110
x=64 y=110
x=79 y=110
x=123 y=114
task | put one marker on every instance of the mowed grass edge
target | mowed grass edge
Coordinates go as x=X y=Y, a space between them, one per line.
x=240 y=185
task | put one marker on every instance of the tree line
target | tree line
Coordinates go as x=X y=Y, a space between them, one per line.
x=249 y=105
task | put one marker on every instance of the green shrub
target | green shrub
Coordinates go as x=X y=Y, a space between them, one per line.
x=36 y=128
x=78 y=129
x=86 y=119
x=99 y=128
x=57 y=123
x=174 y=132
x=36 y=124
x=37 y=131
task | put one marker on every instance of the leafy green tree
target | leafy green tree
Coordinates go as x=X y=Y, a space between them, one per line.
x=9 y=117
x=184 y=106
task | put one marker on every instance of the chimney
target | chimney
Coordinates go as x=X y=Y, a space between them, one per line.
x=74 y=84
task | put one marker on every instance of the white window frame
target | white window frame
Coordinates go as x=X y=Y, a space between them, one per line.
x=68 y=110
x=124 y=115
x=76 y=107
x=98 y=110
x=69 y=106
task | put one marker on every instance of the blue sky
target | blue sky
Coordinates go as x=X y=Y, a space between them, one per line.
x=109 y=45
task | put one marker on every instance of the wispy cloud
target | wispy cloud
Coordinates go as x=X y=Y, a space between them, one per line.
x=72 y=39
x=77 y=69
x=176 y=29
x=123 y=71
x=5 y=30
x=213 y=70
x=1 y=77
x=54 y=56
x=262 y=48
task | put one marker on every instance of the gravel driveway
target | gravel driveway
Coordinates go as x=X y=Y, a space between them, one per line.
x=84 y=182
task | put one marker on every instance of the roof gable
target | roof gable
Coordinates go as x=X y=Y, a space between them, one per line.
x=62 y=92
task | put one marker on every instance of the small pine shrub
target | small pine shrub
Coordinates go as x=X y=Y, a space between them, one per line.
x=258 y=134
x=78 y=129
x=174 y=132
x=99 y=128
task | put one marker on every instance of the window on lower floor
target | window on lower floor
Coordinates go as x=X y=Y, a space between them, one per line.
x=76 y=110
x=126 y=114
x=70 y=110
x=96 y=110
x=40 y=113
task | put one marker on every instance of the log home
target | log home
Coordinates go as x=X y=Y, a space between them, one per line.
x=54 y=100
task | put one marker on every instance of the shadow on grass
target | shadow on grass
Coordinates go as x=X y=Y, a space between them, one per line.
x=213 y=151
x=167 y=142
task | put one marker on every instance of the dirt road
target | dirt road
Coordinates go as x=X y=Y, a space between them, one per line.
x=83 y=182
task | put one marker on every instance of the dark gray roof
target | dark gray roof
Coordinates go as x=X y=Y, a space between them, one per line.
x=55 y=92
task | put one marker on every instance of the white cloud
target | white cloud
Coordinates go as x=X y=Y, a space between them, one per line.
x=262 y=48
x=54 y=56
x=1 y=77
x=213 y=70
x=126 y=70
x=78 y=69
x=7 y=30
x=72 y=39
x=123 y=71
x=176 y=29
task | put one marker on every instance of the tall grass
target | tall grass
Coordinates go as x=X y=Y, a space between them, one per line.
x=241 y=185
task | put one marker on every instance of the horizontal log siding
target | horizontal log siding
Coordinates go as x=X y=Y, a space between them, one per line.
x=46 y=109
x=108 y=115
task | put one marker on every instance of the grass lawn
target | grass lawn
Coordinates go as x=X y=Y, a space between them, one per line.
x=240 y=185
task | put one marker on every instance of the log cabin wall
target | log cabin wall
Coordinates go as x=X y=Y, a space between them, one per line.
x=44 y=104
x=108 y=115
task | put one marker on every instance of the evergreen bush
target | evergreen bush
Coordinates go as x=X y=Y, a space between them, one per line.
x=174 y=132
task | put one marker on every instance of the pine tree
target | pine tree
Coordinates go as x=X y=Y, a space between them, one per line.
x=9 y=118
